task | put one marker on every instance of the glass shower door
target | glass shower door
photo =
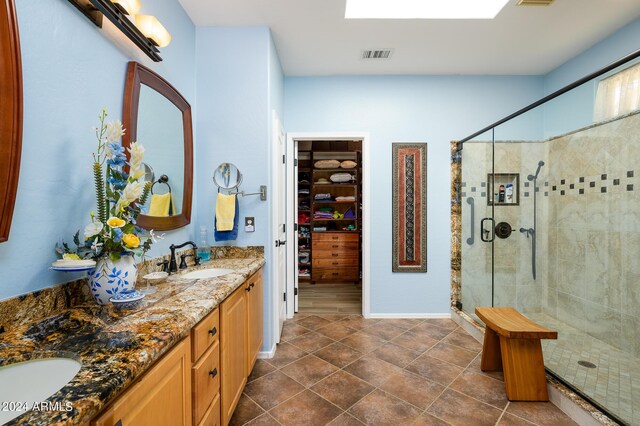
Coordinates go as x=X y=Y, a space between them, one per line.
x=477 y=224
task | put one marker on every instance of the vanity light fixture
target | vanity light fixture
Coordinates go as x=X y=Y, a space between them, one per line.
x=117 y=11
x=153 y=30
x=131 y=7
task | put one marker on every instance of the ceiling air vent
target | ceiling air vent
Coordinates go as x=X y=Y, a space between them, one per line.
x=377 y=54
x=534 y=2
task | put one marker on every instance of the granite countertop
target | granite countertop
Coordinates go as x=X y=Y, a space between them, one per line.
x=114 y=345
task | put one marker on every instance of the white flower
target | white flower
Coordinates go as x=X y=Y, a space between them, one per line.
x=92 y=229
x=114 y=131
x=136 y=153
x=130 y=193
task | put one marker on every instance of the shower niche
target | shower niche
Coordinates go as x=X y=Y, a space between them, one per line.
x=503 y=189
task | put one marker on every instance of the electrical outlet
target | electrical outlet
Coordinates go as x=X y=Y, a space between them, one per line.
x=249 y=224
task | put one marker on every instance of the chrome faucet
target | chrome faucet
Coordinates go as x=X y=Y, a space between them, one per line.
x=173 y=265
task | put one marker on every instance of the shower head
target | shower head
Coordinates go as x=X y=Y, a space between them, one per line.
x=533 y=177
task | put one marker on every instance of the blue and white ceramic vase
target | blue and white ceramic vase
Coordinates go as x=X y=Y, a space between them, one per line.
x=111 y=278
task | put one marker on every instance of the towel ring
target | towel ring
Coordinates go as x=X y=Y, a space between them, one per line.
x=163 y=179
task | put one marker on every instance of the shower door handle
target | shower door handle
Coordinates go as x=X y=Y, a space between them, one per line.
x=486 y=232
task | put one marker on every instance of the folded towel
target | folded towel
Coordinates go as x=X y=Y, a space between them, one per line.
x=225 y=212
x=161 y=205
x=233 y=233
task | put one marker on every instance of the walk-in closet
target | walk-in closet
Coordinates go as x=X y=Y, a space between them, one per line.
x=329 y=223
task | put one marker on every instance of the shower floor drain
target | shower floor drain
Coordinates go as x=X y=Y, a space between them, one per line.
x=587 y=364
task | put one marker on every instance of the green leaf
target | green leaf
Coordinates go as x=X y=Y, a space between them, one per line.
x=76 y=238
x=114 y=256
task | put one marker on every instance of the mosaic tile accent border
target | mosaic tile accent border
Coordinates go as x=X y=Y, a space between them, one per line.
x=602 y=183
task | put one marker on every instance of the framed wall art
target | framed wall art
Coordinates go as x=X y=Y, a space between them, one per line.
x=409 y=214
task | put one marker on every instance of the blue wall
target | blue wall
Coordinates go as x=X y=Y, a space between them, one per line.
x=239 y=82
x=71 y=69
x=433 y=109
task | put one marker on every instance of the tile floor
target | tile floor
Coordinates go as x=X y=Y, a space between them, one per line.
x=347 y=370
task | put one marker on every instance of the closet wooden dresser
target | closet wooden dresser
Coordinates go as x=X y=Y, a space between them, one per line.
x=335 y=257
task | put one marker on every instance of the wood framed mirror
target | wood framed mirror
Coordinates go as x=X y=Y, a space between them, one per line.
x=10 y=114
x=159 y=117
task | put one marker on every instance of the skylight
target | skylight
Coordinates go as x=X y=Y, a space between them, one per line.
x=423 y=9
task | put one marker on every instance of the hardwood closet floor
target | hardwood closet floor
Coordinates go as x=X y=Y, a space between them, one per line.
x=330 y=298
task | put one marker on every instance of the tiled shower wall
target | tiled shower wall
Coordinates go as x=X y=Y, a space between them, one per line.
x=514 y=283
x=594 y=231
x=588 y=230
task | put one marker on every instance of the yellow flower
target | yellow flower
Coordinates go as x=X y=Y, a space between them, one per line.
x=70 y=256
x=115 y=222
x=130 y=240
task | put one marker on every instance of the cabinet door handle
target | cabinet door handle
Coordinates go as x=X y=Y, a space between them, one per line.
x=213 y=331
x=336 y=273
x=335 y=246
x=335 y=255
x=247 y=288
x=213 y=373
x=335 y=238
x=334 y=263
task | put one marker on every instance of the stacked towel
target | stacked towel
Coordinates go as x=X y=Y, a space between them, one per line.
x=346 y=198
x=161 y=205
x=227 y=214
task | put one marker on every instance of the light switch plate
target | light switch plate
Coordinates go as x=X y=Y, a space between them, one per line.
x=249 y=224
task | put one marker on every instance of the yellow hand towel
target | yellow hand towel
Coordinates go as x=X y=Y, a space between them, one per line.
x=225 y=212
x=160 y=204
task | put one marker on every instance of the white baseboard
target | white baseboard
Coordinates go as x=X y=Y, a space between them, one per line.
x=402 y=316
x=267 y=354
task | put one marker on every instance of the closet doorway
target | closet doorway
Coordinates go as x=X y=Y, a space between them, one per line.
x=328 y=187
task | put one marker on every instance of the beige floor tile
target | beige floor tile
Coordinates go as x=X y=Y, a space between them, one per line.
x=461 y=410
x=274 y=388
x=309 y=370
x=311 y=342
x=342 y=389
x=338 y=354
x=380 y=408
x=306 y=408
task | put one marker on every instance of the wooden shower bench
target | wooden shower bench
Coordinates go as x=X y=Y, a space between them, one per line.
x=512 y=345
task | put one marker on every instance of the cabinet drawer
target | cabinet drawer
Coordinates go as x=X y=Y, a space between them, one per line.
x=204 y=334
x=335 y=246
x=212 y=416
x=335 y=274
x=335 y=261
x=328 y=236
x=206 y=381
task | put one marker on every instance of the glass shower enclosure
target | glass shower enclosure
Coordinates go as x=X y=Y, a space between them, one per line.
x=550 y=225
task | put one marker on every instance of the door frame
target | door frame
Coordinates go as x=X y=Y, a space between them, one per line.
x=276 y=162
x=366 y=212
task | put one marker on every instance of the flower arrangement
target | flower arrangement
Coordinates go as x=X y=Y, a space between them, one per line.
x=119 y=195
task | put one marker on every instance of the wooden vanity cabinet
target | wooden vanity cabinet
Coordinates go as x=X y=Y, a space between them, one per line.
x=205 y=350
x=200 y=381
x=162 y=396
x=240 y=340
x=254 y=318
x=234 y=352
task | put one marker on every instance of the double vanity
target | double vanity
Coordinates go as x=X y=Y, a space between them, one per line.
x=181 y=357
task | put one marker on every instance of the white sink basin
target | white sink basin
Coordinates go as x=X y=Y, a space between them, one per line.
x=29 y=382
x=207 y=273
